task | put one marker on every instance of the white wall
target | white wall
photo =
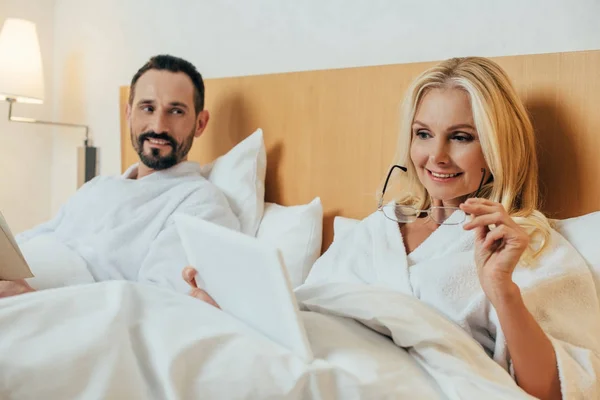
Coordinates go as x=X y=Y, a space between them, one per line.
x=26 y=150
x=99 y=45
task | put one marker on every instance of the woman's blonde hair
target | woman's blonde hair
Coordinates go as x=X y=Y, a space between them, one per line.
x=505 y=133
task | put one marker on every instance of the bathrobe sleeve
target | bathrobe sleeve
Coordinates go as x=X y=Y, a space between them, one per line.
x=166 y=257
x=559 y=292
x=51 y=225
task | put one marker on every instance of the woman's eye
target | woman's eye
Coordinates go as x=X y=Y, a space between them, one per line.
x=421 y=134
x=462 y=137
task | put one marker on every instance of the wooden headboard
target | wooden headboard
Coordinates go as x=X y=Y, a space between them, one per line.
x=332 y=133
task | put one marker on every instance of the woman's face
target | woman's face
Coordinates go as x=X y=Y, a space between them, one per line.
x=445 y=148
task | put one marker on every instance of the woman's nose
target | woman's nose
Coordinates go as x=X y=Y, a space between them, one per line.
x=439 y=154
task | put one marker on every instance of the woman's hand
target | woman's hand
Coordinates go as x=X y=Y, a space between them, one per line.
x=499 y=245
x=13 y=288
x=189 y=275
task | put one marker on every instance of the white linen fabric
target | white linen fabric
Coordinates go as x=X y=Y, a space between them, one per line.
x=123 y=228
x=558 y=290
x=122 y=339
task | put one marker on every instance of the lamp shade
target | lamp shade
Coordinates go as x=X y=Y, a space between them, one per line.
x=21 y=73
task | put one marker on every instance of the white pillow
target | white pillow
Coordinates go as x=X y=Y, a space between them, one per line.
x=297 y=231
x=584 y=234
x=240 y=175
x=342 y=225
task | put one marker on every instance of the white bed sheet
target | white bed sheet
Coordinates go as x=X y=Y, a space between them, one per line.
x=122 y=340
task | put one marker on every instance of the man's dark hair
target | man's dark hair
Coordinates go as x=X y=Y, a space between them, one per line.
x=174 y=64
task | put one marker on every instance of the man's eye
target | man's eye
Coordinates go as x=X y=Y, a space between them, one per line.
x=147 y=108
x=177 y=111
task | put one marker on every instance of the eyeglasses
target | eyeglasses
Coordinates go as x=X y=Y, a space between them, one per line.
x=407 y=214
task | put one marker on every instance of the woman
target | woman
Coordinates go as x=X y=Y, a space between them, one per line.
x=465 y=235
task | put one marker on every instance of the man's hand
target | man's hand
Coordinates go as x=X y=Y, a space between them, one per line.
x=189 y=275
x=13 y=288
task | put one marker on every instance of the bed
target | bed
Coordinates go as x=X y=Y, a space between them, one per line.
x=332 y=133
x=327 y=139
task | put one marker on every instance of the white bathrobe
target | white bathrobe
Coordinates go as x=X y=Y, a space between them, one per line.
x=558 y=290
x=123 y=228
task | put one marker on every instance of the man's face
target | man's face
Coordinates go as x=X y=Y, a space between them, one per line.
x=162 y=118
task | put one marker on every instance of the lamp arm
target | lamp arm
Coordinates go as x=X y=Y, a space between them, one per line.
x=12 y=118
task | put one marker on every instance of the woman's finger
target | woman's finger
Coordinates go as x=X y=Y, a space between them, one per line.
x=495 y=235
x=480 y=200
x=479 y=209
x=495 y=218
x=481 y=233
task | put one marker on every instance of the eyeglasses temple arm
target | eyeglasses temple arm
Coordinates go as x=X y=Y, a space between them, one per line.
x=380 y=203
x=480 y=183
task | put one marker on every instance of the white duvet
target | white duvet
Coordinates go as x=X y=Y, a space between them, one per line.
x=120 y=340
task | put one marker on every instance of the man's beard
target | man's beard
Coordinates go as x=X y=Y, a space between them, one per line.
x=153 y=158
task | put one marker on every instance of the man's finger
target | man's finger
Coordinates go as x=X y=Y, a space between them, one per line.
x=202 y=295
x=189 y=275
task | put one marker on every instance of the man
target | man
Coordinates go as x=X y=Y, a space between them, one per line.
x=122 y=227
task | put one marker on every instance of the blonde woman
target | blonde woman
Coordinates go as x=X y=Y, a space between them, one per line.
x=465 y=235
